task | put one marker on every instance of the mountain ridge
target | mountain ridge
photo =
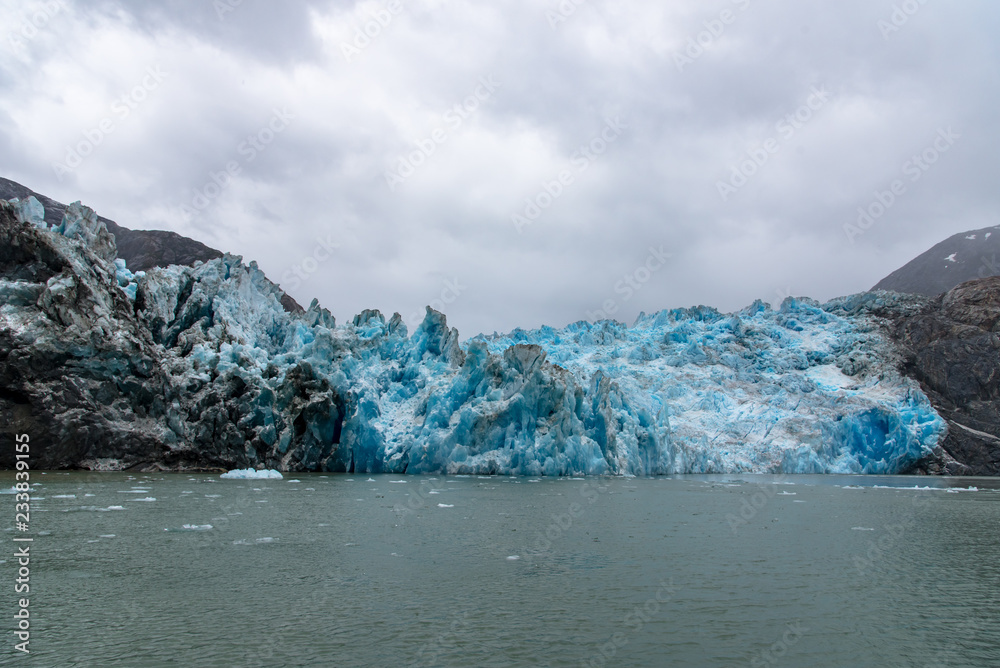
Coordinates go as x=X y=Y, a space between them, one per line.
x=961 y=257
x=202 y=368
x=141 y=249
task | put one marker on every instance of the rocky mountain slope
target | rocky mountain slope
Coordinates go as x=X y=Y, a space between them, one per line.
x=952 y=347
x=959 y=258
x=141 y=249
x=201 y=367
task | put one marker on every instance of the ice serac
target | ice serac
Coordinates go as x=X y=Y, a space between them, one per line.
x=186 y=367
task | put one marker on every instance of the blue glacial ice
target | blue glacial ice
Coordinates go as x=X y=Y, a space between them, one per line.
x=805 y=388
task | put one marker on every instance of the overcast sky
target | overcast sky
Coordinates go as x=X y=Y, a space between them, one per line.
x=524 y=162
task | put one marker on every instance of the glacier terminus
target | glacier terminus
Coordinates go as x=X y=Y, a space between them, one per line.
x=201 y=367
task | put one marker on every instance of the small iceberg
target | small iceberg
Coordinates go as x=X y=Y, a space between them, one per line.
x=251 y=474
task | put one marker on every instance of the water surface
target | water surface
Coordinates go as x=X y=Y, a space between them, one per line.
x=386 y=570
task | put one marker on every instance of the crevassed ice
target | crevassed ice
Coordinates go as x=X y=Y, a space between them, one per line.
x=805 y=388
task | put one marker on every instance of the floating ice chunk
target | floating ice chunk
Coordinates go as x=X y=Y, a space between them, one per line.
x=251 y=474
x=197 y=527
x=446 y=505
x=148 y=498
x=61 y=496
x=951 y=258
x=294 y=481
x=513 y=557
x=266 y=540
x=106 y=535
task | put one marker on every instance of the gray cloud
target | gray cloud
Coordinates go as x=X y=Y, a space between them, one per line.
x=358 y=104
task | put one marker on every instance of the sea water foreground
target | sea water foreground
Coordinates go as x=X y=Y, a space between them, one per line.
x=387 y=570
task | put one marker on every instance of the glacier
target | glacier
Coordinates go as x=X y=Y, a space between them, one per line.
x=225 y=376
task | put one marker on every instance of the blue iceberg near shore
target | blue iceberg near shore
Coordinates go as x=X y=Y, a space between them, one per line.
x=252 y=474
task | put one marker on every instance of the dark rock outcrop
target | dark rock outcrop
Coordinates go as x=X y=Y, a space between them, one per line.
x=79 y=373
x=104 y=383
x=141 y=249
x=951 y=346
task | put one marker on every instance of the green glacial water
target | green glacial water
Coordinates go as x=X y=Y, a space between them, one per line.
x=357 y=570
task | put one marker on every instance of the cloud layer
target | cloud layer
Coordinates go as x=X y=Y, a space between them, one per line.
x=523 y=163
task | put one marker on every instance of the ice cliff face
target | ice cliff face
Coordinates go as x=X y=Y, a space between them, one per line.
x=201 y=367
